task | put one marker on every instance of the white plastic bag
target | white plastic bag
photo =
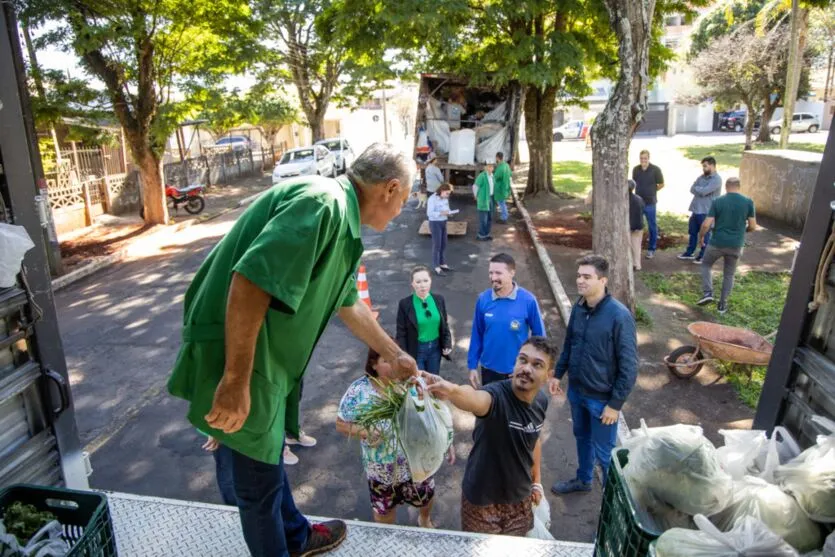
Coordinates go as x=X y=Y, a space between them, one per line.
x=749 y=538
x=781 y=448
x=14 y=243
x=47 y=542
x=678 y=465
x=423 y=430
x=487 y=149
x=740 y=451
x=776 y=509
x=829 y=546
x=462 y=147
x=810 y=478
x=541 y=521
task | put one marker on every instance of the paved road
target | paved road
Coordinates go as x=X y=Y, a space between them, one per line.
x=121 y=334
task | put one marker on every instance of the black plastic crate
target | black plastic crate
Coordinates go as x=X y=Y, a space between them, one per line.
x=84 y=516
x=620 y=531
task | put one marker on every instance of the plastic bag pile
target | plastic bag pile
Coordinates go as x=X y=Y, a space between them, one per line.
x=47 y=542
x=14 y=243
x=762 y=495
x=424 y=431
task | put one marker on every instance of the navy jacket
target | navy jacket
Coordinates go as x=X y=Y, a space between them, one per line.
x=600 y=352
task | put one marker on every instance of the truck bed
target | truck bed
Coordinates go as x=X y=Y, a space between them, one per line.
x=150 y=526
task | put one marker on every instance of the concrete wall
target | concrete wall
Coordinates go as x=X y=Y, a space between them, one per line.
x=780 y=182
x=693 y=119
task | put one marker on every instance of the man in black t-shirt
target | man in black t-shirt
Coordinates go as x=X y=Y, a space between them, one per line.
x=503 y=473
x=649 y=182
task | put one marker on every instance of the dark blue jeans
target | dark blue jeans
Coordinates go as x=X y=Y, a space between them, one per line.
x=595 y=441
x=439 y=240
x=652 y=224
x=693 y=228
x=429 y=356
x=271 y=523
x=489 y=376
x=485 y=222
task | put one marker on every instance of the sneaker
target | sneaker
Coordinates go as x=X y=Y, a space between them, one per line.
x=304 y=440
x=561 y=488
x=650 y=254
x=722 y=308
x=323 y=537
x=289 y=458
x=440 y=272
x=685 y=257
x=446 y=268
x=697 y=261
x=706 y=299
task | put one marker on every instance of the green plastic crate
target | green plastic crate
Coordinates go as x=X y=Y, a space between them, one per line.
x=620 y=531
x=84 y=515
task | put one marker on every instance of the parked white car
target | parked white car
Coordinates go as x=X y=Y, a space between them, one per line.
x=342 y=151
x=570 y=130
x=801 y=122
x=305 y=161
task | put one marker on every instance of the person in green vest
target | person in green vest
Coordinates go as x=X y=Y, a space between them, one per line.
x=253 y=315
x=483 y=193
x=502 y=176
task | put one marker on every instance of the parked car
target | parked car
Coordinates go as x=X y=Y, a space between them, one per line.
x=305 y=161
x=735 y=121
x=342 y=151
x=572 y=129
x=236 y=142
x=801 y=122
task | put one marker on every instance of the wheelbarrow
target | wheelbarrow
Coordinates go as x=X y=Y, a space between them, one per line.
x=718 y=342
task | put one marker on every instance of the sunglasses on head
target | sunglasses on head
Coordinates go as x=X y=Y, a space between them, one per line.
x=426 y=307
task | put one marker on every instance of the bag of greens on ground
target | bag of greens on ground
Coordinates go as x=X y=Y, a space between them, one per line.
x=749 y=537
x=424 y=430
x=678 y=465
x=775 y=508
x=751 y=453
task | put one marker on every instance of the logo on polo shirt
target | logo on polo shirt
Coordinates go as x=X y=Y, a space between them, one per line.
x=488 y=315
x=515 y=325
x=530 y=428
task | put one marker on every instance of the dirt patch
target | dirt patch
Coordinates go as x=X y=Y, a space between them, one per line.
x=574 y=230
x=99 y=241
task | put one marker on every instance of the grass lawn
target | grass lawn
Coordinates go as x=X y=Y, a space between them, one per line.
x=572 y=178
x=730 y=154
x=756 y=303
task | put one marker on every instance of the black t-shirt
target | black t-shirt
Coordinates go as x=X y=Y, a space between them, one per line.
x=647 y=182
x=499 y=466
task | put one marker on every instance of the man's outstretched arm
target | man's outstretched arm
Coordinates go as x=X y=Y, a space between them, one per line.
x=463 y=397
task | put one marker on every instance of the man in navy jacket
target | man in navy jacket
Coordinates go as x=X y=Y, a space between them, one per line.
x=600 y=355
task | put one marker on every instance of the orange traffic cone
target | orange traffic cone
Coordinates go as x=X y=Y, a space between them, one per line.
x=362 y=288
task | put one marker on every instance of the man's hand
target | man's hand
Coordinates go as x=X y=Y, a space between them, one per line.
x=440 y=388
x=609 y=416
x=230 y=407
x=446 y=351
x=536 y=493
x=404 y=367
x=211 y=444
x=554 y=387
x=475 y=379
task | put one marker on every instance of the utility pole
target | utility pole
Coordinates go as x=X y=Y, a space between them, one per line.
x=385 y=118
x=796 y=46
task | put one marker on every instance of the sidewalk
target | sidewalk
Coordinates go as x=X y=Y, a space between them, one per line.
x=111 y=237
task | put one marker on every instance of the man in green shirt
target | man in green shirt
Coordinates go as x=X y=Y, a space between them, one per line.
x=253 y=315
x=502 y=177
x=733 y=214
x=483 y=191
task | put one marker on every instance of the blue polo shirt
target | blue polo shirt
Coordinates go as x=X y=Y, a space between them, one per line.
x=500 y=328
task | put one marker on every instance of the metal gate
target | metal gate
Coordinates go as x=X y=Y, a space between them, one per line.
x=38 y=437
x=655 y=120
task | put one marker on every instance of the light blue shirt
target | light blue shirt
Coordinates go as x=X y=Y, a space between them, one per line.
x=705 y=189
x=434 y=178
x=435 y=206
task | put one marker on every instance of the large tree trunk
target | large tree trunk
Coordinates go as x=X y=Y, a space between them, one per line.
x=539 y=116
x=749 y=126
x=153 y=195
x=797 y=45
x=828 y=81
x=316 y=120
x=611 y=134
x=764 y=135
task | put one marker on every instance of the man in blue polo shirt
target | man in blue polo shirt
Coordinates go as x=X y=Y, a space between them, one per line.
x=505 y=317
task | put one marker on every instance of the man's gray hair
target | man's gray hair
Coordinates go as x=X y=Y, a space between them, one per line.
x=380 y=163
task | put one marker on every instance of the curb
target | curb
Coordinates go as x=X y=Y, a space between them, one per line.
x=104 y=262
x=563 y=302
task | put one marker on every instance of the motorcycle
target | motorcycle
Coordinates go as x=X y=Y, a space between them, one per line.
x=190 y=196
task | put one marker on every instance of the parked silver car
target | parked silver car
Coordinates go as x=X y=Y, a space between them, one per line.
x=801 y=122
x=342 y=150
x=305 y=161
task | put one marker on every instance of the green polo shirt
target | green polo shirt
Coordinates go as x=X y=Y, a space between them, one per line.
x=482 y=182
x=300 y=242
x=429 y=326
x=501 y=177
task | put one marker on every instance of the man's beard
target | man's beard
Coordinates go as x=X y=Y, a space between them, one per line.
x=706 y=172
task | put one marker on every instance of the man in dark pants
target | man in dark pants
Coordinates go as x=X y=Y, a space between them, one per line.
x=705 y=189
x=733 y=215
x=600 y=355
x=505 y=317
x=648 y=182
x=253 y=315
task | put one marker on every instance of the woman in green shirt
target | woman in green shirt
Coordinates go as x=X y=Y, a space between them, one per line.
x=422 y=327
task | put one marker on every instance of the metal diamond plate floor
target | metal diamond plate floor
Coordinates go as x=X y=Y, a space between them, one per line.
x=153 y=527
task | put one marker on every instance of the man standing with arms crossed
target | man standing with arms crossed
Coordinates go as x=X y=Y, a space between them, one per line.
x=253 y=315
x=502 y=176
x=705 y=189
x=600 y=355
x=648 y=182
x=505 y=317
x=734 y=215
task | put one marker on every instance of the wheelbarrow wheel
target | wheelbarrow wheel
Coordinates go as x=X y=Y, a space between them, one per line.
x=679 y=358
